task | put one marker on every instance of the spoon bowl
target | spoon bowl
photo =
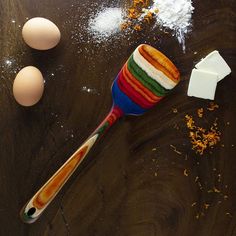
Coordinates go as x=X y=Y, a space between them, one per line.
x=146 y=78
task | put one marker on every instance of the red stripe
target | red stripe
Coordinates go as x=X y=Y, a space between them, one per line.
x=132 y=94
x=145 y=92
x=137 y=89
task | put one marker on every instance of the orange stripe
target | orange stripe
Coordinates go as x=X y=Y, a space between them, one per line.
x=48 y=192
x=138 y=90
x=140 y=87
x=160 y=62
x=155 y=63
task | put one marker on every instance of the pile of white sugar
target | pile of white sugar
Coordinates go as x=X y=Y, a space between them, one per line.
x=106 y=23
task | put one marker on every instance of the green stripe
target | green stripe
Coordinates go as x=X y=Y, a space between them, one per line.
x=145 y=79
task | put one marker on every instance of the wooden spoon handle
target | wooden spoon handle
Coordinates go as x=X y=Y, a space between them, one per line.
x=39 y=202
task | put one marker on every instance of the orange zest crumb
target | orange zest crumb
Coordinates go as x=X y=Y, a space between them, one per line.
x=201 y=138
x=200 y=112
x=185 y=172
x=200 y=185
x=137 y=27
x=133 y=13
x=148 y=17
x=225 y=197
x=219 y=177
x=125 y=25
x=216 y=190
x=228 y=214
x=174 y=110
x=212 y=106
x=176 y=127
x=175 y=149
x=144 y=3
x=138 y=13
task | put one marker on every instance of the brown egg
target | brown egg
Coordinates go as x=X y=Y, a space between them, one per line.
x=41 y=33
x=28 y=86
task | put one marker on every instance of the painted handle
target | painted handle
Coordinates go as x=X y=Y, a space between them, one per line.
x=39 y=202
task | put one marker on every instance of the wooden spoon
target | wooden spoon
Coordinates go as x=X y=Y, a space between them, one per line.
x=144 y=80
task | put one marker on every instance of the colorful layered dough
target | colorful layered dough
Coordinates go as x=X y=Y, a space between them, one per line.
x=144 y=80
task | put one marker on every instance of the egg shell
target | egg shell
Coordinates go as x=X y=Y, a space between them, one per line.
x=28 y=86
x=41 y=33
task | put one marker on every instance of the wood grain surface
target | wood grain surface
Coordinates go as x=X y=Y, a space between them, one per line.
x=134 y=182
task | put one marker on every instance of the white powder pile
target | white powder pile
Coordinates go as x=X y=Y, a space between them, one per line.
x=175 y=15
x=172 y=15
x=106 y=23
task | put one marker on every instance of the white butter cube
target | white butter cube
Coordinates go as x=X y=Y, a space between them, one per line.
x=202 y=84
x=214 y=62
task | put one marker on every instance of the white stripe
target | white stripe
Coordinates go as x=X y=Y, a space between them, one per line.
x=154 y=73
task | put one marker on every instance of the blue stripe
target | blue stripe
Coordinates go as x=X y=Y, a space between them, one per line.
x=124 y=102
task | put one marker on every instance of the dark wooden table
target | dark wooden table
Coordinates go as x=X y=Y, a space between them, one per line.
x=133 y=183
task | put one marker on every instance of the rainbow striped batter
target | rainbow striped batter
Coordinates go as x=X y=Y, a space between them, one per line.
x=144 y=80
